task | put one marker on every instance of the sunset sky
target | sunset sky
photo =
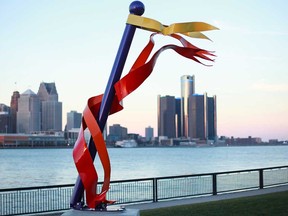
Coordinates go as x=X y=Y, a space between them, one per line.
x=74 y=43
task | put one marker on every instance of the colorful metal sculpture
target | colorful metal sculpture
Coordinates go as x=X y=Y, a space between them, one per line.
x=99 y=107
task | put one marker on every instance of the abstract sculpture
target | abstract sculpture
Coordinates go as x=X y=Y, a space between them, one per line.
x=99 y=107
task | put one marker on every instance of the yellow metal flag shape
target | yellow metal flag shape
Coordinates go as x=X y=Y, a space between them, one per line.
x=191 y=29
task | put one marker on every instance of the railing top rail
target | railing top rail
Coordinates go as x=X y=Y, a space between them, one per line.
x=144 y=179
x=36 y=187
x=219 y=173
x=131 y=180
x=250 y=170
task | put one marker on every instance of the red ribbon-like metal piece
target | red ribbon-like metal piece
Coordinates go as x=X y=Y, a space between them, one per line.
x=139 y=72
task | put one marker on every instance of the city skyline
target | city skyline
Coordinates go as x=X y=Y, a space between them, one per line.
x=191 y=116
x=48 y=91
x=74 y=45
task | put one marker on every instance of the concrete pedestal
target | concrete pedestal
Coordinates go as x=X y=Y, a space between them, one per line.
x=124 y=212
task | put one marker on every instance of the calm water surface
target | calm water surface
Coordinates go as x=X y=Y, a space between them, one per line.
x=42 y=167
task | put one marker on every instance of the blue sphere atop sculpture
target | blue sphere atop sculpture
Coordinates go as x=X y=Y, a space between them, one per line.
x=137 y=8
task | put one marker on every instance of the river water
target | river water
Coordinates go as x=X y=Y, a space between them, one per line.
x=42 y=167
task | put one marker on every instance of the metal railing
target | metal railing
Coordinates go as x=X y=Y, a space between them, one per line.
x=18 y=201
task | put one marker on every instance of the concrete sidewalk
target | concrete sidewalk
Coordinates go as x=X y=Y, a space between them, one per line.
x=194 y=200
x=210 y=198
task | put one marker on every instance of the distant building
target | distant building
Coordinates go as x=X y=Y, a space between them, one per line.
x=212 y=117
x=244 y=141
x=117 y=133
x=32 y=140
x=197 y=121
x=166 y=116
x=28 y=115
x=50 y=107
x=149 y=133
x=73 y=120
x=178 y=121
x=5 y=119
x=133 y=136
x=202 y=117
x=192 y=116
x=73 y=126
x=13 y=112
x=187 y=90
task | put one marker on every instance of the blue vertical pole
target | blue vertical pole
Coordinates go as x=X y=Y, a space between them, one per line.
x=136 y=8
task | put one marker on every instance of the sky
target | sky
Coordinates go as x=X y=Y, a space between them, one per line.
x=74 y=44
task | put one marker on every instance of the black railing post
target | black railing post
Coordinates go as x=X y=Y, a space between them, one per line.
x=261 y=180
x=155 y=190
x=214 y=184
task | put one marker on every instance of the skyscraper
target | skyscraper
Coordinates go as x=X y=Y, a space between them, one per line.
x=202 y=117
x=5 y=120
x=51 y=108
x=28 y=115
x=178 y=117
x=187 y=89
x=191 y=116
x=166 y=116
x=197 y=127
x=73 y=120
x=13 y=111
x=212 y=118
x=149 y=133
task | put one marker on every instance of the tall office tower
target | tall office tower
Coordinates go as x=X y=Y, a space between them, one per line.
x=178 y=116
x=187 y=89
x=149 y=133
x=13 y=111
x=197 y=116
x=166 y=116
x=73 y=120
x=202 y=117
x=212 y=118
x=51 y=108
x=28 y=114
x=5 y=119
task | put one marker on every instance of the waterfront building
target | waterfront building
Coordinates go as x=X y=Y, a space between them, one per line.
x=117 y=132
x=5 y=119
x=212 y=118
x=32 y=140
x=50 y=107
x=12 y=127
x=202 y=117
x=187 y=89
x=73 y=120
x=192 y=116
x=149 y=133
x=197 y=127
x=166 y=116
x=178 y=117
x=243 y=141
x=28 y=114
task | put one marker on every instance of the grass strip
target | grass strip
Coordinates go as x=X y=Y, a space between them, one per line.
x=267 y=204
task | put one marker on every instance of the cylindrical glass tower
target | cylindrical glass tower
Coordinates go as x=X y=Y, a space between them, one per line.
x=187 y=89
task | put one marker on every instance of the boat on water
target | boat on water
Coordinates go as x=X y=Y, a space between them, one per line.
x=126 y=143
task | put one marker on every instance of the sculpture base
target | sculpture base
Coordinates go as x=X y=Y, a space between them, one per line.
x=109 y=212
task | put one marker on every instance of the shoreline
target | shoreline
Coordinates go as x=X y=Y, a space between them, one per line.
x=143 y=146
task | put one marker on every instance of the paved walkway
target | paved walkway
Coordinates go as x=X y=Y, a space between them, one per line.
x=163 y=204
